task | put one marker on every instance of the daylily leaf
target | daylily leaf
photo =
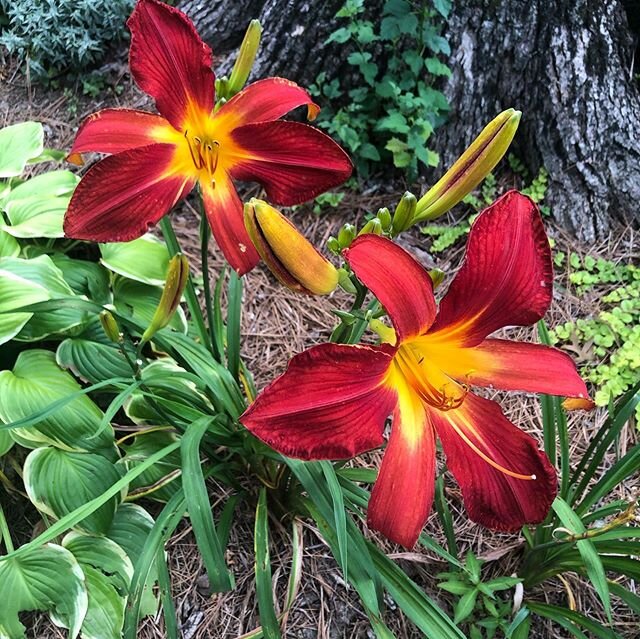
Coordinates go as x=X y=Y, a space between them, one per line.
x=144 y=260
x=59 y=481
x=36 y=382
x=46 y=578
x=18 y=144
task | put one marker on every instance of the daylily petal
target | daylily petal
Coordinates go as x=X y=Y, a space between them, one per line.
x=170 y=62
x=263 y=101
x=534 y=368
x=121 y=196
x=331 y=403
x=506 y=277
x=117 y=130
x=403 y=493
x=293 y=161
x=477 y=432
x=401 y=284
x=224 y=212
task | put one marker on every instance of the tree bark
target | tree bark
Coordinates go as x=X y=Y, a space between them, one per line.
x=567 y=64
x=294 y=32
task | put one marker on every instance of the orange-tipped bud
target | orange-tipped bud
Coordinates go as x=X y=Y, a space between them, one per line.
x=246 y=57
x=110 y=327
x=177 y=276
x=289 y=255
x=471 y=167
x=578 y=403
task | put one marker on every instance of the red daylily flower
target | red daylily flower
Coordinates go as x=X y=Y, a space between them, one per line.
x=333 y=400
x=158 y=159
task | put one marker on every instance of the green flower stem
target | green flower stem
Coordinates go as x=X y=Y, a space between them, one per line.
x=190 y=292
x=6 y=535
x=204 y=257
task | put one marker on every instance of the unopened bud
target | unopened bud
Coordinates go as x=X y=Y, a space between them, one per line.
x=437 y=277
x=471 y=167
x=385 y=218
x=246 y=56
x=177 y=275
x=222 y=87
x=346 y=235
x=333 y=245
x=403 y=215
x=293 y=260
x=110 y=327
x=345 y=281
x=371 y=227
x=578 y=403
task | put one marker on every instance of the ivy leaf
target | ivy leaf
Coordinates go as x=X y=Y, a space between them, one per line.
x=46 y=578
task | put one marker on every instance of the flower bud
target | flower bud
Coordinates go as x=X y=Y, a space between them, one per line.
x=372 y=226
x=345 y=281
x=471 y=167
x=333 y=245
x=177 y=275
x=246 y=56
x=385 y=218
x=437 y=277
x=110 y=327
x=346 y=235
x=403 y=215
x=293 y=260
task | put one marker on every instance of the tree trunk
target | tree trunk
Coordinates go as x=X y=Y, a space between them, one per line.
x=294 y=32
x=567 y=64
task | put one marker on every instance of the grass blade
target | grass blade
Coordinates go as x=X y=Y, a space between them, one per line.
x=591 y=558
x=264 y=588
x=168 y=608
x=339 y=516
x=569 y=619
x=234 y=310
x=199 y=507
x=444 y=513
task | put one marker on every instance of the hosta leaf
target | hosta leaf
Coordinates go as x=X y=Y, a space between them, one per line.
x=41 y=271
x=92 y=357
x=52 y=184
x=58 y=481
x=36 y=216
x=9 y=246
x=108 y=571
x=140 y=301
x=144 y=260
x=15 y=292
x=85 y=278
x=36 y=382
x=46 y=578
x=5 y=442
x=18 y=144
x=130 y=529
x=161 y=475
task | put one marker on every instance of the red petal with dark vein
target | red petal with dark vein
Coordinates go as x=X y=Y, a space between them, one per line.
x=224 y=212
x=401 y=284
x=263 y=101
x=528 y=367
x=331 y=403
x=116 y=130
x=294 y=162
x=403 y=493
x=120 y=197
x=493 y=498
x=506 y=277
x=170 y=62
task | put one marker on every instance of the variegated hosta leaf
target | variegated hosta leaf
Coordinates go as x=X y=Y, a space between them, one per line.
x=92 y=356
x=108 y=571
x=58 y=482
x=5 y=442
x=85 y=278
x=144 y=260
x=18 y=144
x=35 y=383
x=46 y=578
x=15 y=292
x=130 y=529
x=41 y=271
x=137 y=300
x=9 y=246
